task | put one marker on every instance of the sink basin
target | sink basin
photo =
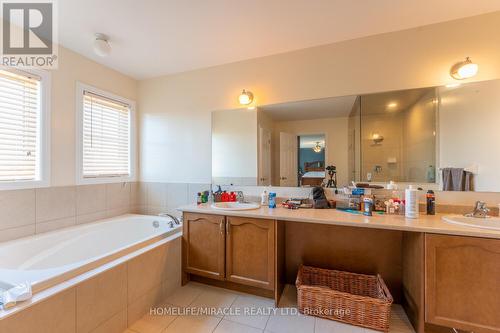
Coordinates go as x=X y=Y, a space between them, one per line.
x=476 y=222
x=235 y=206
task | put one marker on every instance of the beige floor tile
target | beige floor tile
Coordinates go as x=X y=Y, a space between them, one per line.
x=287 y=320
x=193 y=324
x=251 y=310
x=226 y=326
x=185 y=295
x=214 y=298
x=151 y=323
x=330 y=326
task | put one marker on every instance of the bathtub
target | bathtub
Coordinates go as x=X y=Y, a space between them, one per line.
x=47 y=259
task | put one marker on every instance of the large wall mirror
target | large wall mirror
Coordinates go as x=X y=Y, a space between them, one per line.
x=438 y=137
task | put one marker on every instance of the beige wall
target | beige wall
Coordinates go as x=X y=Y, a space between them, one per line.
x=74 y=68
x=175 y=109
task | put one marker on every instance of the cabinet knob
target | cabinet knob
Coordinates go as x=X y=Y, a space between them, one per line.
x=221 y=227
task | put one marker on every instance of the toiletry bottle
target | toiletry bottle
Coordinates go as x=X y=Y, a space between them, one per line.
x=411 y=202
x=367 y=206
x=272 y=200
x=431 y=202
x=232 y=197
x=225 y=197
x=263 y=198
x=198 y=199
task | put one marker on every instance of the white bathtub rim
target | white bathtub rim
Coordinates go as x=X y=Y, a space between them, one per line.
x=82 y=265
x=72 y=282
x=73 y=227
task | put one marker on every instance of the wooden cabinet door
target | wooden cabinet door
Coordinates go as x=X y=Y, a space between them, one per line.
x=250 y=251
x=462 y=282
x=203 y=243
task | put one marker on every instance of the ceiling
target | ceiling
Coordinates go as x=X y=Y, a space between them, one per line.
x=312 y=109
x=393 y=102
x=155 y=37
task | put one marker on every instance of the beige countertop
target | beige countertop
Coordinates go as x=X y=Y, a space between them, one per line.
x=425 y=223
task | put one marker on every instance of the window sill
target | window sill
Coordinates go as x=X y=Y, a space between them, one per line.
x=23 y=185
x=105 y=180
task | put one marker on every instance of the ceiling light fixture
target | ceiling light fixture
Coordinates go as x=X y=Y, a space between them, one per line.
x=464 y=69
x=392 y=105
x=245 y=98
x=317 y=148
x=101 y=45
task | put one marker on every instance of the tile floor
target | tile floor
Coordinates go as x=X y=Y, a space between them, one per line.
x=236 y=317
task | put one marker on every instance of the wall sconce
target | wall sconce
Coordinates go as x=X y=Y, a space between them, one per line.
x=246 y=97
x=464 y=69
x=101 y=45
x=377 y=138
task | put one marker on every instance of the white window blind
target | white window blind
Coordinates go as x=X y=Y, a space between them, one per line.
x=106 y=137
x=19 y=126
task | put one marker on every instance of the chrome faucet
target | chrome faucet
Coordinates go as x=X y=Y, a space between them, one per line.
x=480 y=210
x=175 y=219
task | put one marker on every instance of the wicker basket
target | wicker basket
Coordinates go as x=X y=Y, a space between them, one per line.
x=356 y=299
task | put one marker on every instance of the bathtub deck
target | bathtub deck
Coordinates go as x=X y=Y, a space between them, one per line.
x=195 y=295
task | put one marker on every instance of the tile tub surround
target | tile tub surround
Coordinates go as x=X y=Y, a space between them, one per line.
x=265 y=317
x=27 y=212
x=106 y=302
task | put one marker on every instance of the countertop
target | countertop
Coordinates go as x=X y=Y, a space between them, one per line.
x=425 y=223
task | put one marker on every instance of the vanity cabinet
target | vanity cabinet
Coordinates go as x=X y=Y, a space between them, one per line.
x=234 y=250
x=462 y=279
x=250 y=251
x=204 y=245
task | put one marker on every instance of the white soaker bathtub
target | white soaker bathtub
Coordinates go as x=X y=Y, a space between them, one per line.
x=47 y=259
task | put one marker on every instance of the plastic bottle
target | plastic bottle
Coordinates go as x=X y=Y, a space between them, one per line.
x=431 y=202
x=368 y=206
x=198 y=199
x=272 y=200
x=263 y=198
x=411 y=202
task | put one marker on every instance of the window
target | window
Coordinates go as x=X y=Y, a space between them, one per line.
x=105 y=137
x=24 y=128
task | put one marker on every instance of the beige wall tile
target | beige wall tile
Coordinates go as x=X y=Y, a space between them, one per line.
x=55 y=203
x=55 y=224
x=100 y=298
x=117 y=212
x=92 y=217
x=17 y=208
x=157 y=195
x=116 y=324
x=138 y=194
x=54 y=315
x=90 y=199
x=141 y=305
x=177 y=194
x=155 y=263
x=14 y=233
x=117 y=195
